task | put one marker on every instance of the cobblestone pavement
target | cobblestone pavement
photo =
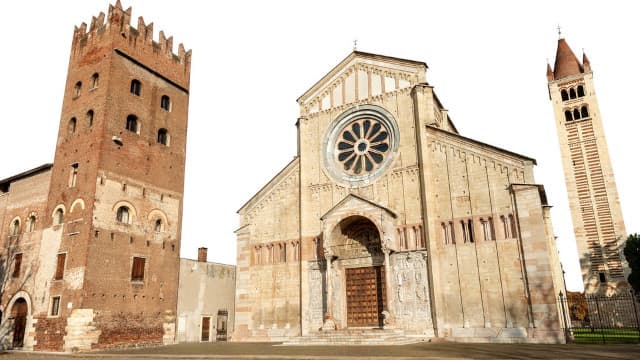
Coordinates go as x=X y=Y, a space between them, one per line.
x=414 y=351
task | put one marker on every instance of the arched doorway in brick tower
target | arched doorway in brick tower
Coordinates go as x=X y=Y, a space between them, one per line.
x=357 y=264
x=19 y=312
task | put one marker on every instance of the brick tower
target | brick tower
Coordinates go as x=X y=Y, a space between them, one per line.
x=593 y=197
x=115 y=199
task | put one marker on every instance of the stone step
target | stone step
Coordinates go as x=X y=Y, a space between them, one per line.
x=355 y=337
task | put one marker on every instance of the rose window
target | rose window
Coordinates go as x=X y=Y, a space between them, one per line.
x=362 y=146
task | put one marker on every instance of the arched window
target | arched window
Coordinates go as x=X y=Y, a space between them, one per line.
x=90 y=117
x=31 y=223
x=576 y=114
x=132 y=123
x=122 y=215
x=445 y=235
x=72 y=125
x=488 y=232
x=165 y=103
x=512 y=225
x=572 y=93
x=452 y=232
x=14 y=228
x=505 y=227
x=564 y=95
x=567 y=115
x=470 y=225
x=580 y=91
x=73 y=176
x=95 y=79
x=58 y=217
x=157 y=227
x=584 y=112
x=77 y=89
x=465 y=234
x=163 y=137
x=136 y=86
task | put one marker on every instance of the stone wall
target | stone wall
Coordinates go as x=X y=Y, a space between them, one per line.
x=268 y=272
x=205 y=289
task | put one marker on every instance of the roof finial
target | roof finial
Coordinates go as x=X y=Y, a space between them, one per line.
x=560 y=33
x=355 y=45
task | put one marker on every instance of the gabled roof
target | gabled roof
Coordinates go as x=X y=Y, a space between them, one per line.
x=24 y=174
x=362 y=55
x=273 y=180
x=495 y=148
x=359 y=198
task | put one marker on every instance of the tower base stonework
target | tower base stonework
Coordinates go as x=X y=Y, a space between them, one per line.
x=81 y=334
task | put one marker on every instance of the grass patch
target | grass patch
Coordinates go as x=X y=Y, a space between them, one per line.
x=610 y=336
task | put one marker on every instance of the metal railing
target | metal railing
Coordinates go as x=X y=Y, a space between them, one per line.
x=601 y=319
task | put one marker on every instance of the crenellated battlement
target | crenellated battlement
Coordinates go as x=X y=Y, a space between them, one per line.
x=115 y=29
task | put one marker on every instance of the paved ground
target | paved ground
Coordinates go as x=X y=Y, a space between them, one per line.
x=414 y=351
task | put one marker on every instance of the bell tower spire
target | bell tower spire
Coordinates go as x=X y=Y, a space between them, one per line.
x=593 y=197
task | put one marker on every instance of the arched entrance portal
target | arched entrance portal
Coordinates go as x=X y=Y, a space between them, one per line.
x=19 y=312
x=358 y=263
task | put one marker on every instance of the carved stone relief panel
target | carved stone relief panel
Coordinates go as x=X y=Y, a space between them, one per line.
x=410 y=284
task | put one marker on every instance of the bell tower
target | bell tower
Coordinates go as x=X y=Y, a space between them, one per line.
x=116 y=190
x=593 y=198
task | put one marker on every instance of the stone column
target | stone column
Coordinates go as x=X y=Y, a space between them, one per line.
x=329 y=324
x=388 y=312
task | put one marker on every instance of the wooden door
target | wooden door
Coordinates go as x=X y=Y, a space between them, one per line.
x=365 y=296
x=19 y=314
x=206 y=326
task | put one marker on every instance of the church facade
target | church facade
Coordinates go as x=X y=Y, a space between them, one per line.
x=388 y=218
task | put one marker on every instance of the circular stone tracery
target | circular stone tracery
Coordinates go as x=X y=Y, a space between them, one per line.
x=360 y=144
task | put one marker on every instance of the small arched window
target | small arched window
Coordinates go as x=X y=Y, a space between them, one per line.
x=584 y=112
x=95 y=79
x=90 y=118
x=58 y=217
x=122 y=215
x=567 y=115
x=72 y=125
x=132 y=123
x=512 y=226
x=163 y=137
x=157 y=226
x=77 y=88
x=14 y=228
x=165 y=103
x=136 y=86
x=465 y=234
x=564 y=95
x=31 y=223
x=572 y=93
x=576 y=114
x=580 y=91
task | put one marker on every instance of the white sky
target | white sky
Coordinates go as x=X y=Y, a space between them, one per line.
x=252 y=59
